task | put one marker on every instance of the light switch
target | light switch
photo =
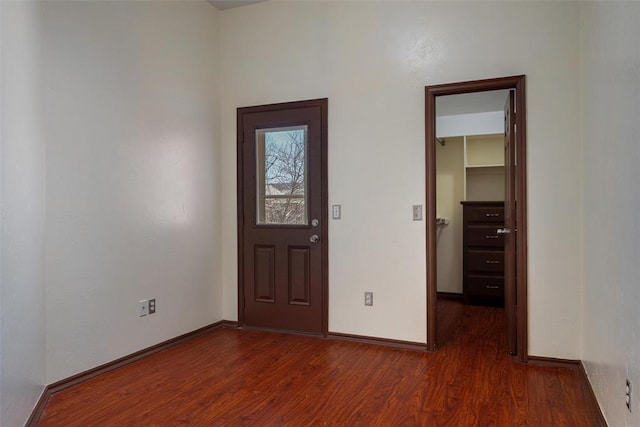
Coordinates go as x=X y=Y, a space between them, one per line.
x=417 y=212
x=336 y=211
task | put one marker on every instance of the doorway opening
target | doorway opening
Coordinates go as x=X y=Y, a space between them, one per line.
x=489 y=221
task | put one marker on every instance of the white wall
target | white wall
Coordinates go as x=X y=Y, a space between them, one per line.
x=470 y=124
x=450 y=192
x=22 y=295
x=611 y=134
x=133 y=169
x=373 y=60
x=132 y=124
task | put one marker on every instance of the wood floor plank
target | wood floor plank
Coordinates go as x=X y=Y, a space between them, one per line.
x=234 y=377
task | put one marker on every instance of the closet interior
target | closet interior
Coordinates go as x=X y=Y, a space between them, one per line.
x=470 y=190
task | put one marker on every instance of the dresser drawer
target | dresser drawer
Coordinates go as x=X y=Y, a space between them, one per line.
x=484 y=235
x=485 y=214
x=485 y=286
x=489 y=261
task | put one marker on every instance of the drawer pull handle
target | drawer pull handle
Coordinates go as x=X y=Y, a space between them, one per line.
x=492 y=262
x=489 y=215
x=491 y=236
x=491 y=286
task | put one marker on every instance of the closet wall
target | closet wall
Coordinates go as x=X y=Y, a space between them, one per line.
x=450 y=179
x=484 y=167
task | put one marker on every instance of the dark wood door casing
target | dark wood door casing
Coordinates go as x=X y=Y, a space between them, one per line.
x=516 y=83
x=282 y=276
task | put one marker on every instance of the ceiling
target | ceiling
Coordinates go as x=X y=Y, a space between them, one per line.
x=469 y=103
x=228 y=4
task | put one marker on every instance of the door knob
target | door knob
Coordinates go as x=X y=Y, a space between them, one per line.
x=503 y=231
x=314 y=238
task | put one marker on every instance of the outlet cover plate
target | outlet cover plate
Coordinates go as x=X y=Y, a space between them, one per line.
x=143 y=307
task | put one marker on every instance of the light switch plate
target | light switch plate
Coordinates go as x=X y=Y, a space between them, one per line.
x=368 y=298
x=336 y=211
x=417 y=212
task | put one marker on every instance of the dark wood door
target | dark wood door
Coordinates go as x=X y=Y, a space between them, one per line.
x=509 y=229
x=282 y=175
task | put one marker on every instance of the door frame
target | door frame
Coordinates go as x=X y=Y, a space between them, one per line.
x=516 y=83
x=322 y=103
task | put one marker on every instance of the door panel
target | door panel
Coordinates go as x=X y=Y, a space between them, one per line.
x=509 y=222
x=264 y=273
x=283 y=213
x=299 y=276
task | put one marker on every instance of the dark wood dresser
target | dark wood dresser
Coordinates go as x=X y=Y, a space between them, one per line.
x=483 y=252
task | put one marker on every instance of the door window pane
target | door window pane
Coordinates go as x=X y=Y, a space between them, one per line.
x=281 y=168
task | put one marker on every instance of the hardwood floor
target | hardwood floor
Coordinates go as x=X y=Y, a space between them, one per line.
x=245 y=377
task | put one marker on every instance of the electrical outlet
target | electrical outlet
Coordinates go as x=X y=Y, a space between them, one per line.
x=143 y=308
x=152 y=306
x=368 y=298
x=627 y=397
